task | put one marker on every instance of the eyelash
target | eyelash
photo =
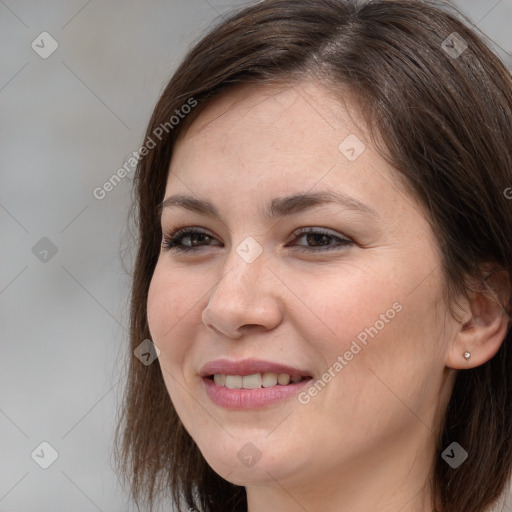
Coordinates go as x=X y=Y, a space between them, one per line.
x=171 y=242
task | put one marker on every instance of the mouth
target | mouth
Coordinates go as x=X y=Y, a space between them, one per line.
x=251 y=384
x=256 y=380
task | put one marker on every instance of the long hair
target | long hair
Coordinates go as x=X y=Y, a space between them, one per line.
x=440 y=105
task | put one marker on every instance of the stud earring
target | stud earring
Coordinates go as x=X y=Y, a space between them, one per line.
x=467 y=355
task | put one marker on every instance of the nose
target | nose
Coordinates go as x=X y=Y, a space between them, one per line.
x=245 y=298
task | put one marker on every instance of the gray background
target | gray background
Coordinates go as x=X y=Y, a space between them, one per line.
x=67 y=124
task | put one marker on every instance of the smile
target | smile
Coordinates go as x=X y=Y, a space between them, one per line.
x=255 y=397
x=254 y=381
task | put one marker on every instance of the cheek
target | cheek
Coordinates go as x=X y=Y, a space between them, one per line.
x=173 y=308
x=345 y=306
x=173 y=301
x=370 y=329
x=399 y=303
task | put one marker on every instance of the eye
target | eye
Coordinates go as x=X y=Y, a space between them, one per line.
x=187 y=239
x=191 y=239
x=320 y=240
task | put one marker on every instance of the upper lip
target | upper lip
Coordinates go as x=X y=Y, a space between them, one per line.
x=248 y=367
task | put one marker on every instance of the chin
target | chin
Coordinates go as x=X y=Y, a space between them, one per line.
x=243 y=463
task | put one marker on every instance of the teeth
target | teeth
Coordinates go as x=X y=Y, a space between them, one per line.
x=251 y=381
x=269 y=379
x=254 y=381
x=219 y=379
x=234 y=381
x=283 y=379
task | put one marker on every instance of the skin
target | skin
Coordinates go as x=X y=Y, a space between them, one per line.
x=365 y=442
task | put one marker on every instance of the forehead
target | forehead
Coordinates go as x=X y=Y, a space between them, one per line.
x=277 y=127
x=261 y=106
x=278 y=140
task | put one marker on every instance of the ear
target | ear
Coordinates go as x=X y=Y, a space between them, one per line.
x=484 y=325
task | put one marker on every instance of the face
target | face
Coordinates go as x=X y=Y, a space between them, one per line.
x=303 y=258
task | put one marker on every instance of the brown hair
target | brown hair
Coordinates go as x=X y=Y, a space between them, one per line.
x=445 y=123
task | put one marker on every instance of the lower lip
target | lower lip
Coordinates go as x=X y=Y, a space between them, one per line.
x=251 y=398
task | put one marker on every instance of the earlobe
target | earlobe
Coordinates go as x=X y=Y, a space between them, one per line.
x=480 y=336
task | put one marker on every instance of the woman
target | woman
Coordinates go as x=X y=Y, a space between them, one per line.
x=323 y=267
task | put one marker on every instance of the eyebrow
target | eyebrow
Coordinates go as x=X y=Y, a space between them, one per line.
x=278 y=207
